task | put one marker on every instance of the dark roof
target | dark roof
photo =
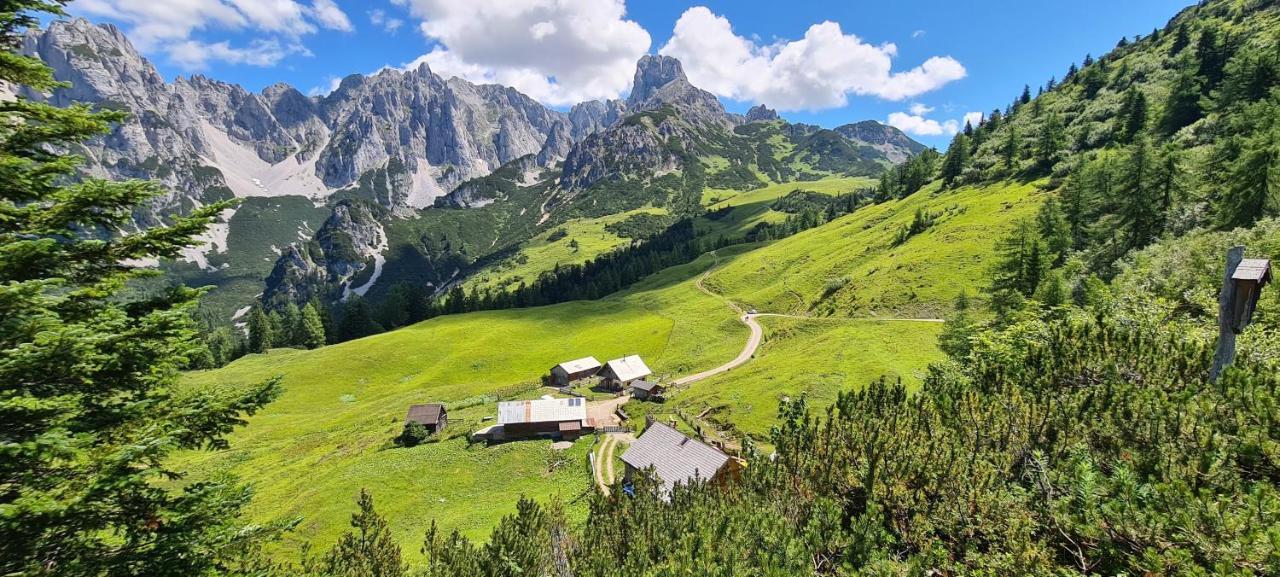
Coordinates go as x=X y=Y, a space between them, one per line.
x=1254 y=269
x=428 y=414
x=646 y=386
x=675 y=457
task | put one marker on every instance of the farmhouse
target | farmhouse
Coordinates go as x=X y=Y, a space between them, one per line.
x=576 y=370
x=676 y=458
x=642 y=389
x=621 y=372
x=566 y=418
x=433 y=416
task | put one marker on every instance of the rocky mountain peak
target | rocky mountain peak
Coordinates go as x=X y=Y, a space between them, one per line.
x=652 y=74
x=761 y=113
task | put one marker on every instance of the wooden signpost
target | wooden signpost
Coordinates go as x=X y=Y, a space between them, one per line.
x=1241 y=286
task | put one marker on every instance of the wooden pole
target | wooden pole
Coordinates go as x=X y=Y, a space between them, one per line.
x=1226 y=308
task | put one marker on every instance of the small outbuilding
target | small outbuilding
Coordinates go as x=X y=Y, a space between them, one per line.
x=565 y=418
x=646 y=390
x=565 y=373
x=433 y=416
x=676 y=458
x=622 y=372
x=1248 y=279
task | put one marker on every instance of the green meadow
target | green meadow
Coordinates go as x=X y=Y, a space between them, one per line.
x=309 y=453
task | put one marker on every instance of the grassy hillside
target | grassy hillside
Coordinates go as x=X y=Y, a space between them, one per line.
x=853 y=266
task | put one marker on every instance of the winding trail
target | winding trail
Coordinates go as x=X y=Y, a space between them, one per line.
x=757 y=332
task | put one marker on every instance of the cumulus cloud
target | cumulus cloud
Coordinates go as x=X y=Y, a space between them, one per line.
x=815 y=72
x=915 y=122
x=169 y=27
x=973 y=118
x=378 y=17
x=557 y=51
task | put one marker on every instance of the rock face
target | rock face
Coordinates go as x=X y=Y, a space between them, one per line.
x=207 y=139
x=336 y=264
x=594 y=116
x=761 y=113
x=660 y=81
x=895 y=145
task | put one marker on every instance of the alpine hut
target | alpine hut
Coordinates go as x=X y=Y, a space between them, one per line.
x=621 y=372
x=575 y=370
x=433 y=416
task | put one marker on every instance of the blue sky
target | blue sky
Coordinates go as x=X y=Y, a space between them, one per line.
x=920 y=65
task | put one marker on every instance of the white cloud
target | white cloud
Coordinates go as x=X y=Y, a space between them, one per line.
x=331 y=84
x=916 y=123
x=557 y=51
x=920 y=126
x=917 y=33
x=169 y=27
x=817 y=71
x=329 y=15
x=388 y=24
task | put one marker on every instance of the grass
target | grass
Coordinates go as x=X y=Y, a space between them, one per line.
x=851 y=266
x=310 y=452
x=752 y=207
x=816 y=358
x=541 y=253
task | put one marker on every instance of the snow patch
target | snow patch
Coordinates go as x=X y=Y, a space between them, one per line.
x=378 y=261
x=240 y=312
x=213 y=239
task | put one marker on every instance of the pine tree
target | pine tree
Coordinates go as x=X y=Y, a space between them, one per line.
x=1055 y=230
x=261 y=332
x=89 y=413
x=312 y=327
x=368 y=551
x=357 y=319
x=290 y=325
x=1181 y=39
x=1025 y=98
x=1212 y=53
x=956 y=339
x=1137 y=199
x=1132 y=117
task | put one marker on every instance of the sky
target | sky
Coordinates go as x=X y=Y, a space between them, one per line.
x=925 y=66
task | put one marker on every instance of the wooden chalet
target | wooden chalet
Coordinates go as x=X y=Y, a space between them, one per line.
x=566 y=373
x=622 y=372
x=433 y=416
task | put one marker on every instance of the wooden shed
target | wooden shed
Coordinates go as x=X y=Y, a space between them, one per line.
x=565 y=373
x=621 y=372
x=433 y=416
x=1248 y=279
x=642 y=389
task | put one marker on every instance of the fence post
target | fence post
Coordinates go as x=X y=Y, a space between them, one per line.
x=1226 y=352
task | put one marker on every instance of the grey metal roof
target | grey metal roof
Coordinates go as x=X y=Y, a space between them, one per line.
x=1254 y=269
x=428 y=414
x=542 y=411
x=646 y=386
x=579 y=365
x=675 y=457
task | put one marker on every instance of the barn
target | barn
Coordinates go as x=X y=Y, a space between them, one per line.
x=575 y=370
x=565 y=418
x=621 y=372
x=642 y=389
x=676 y=458
x=433 y=416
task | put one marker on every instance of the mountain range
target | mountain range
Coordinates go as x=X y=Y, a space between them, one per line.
x=326 y=177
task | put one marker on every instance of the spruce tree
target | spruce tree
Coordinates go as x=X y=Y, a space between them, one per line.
x=261 y=332
x=1049 y=143
x=1009 y=149
x=90 y=409
x=369 y=550
x=1182 y=105
x=312 y=327
x=1253 y=191
x=956 y=160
